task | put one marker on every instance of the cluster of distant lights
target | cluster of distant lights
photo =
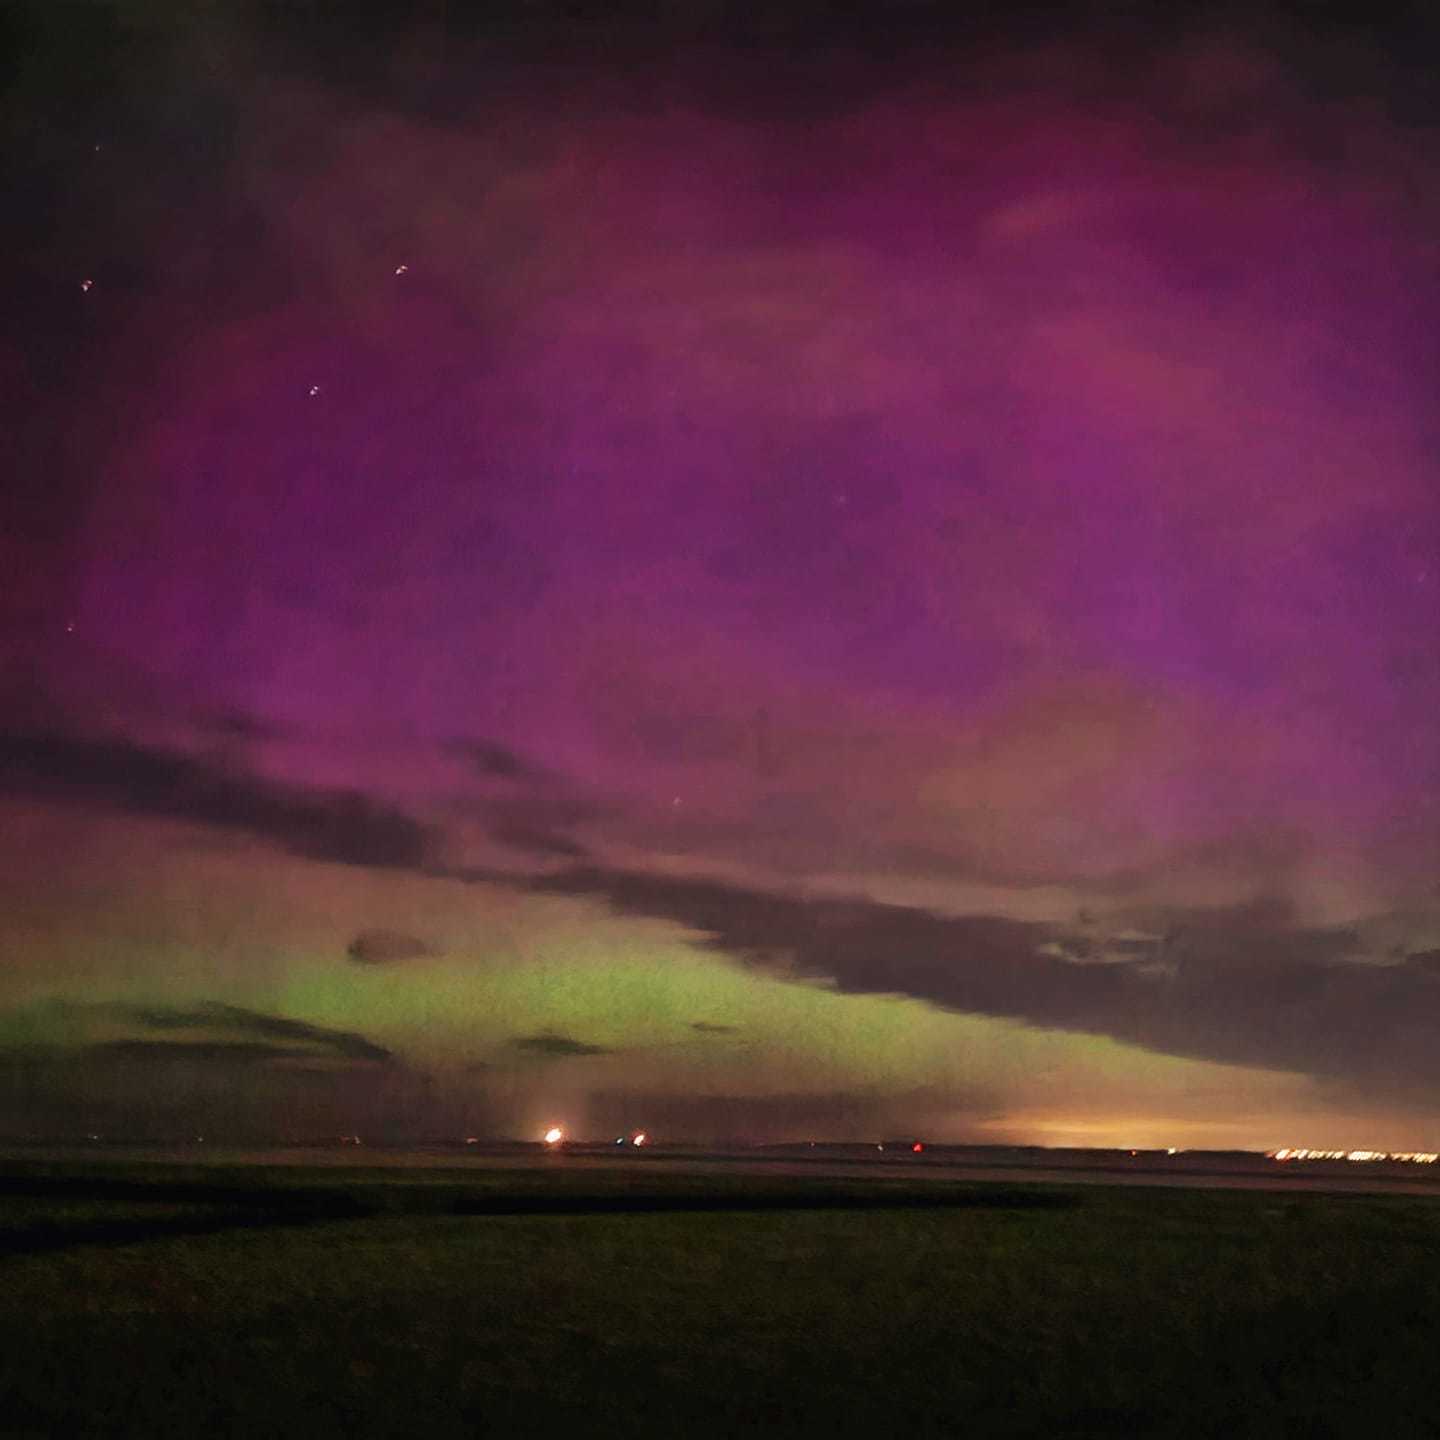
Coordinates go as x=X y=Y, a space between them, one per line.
x=555 y=1136
x=1404 y=1157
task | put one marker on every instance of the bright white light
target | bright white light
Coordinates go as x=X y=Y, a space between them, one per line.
x=554 y=1135
x=639 y=1138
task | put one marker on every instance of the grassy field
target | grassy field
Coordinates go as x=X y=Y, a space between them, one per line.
x=164 y=1302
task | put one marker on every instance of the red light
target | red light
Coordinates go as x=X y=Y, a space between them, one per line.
x=917 y=1147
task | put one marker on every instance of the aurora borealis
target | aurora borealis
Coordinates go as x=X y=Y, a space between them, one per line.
x=742 y=584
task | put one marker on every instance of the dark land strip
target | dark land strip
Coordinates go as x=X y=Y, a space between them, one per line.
x=258 y=1207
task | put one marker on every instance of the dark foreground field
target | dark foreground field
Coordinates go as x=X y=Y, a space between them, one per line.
x=158 y=1301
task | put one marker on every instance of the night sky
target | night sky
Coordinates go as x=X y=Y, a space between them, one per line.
x=721 y=570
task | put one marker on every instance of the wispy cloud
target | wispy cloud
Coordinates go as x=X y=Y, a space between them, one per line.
x=1245 y=985
x=385 y=947
x=554 y=1046
x=345 y=826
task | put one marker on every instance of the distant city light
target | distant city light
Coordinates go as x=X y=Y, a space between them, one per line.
x=1403 y=1157
x=639 y=1138
x=917 y=1148
x=554 y=1135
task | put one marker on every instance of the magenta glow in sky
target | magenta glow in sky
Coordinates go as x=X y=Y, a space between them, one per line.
x=900 y=595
